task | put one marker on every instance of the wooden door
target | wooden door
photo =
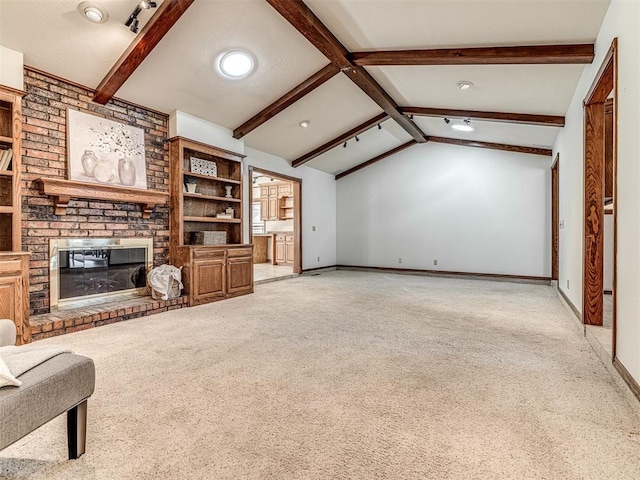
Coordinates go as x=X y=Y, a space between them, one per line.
x=280 y=250
x=289 y=252
x=239 y=275
x=264 y=209
x=209 y=279
x=555 y=219
x=286 y=189
x=273 y=208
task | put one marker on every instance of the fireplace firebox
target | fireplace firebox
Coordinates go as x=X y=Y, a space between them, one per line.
x=95 y=270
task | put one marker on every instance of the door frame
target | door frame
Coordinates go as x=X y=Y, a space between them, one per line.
x=604 y=83
x=297 y=211
x=555 y=218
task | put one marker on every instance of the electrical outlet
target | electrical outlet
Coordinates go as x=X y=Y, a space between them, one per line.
x=567 y=284
x=399 y=259
x=318 y=259
x=435 y=262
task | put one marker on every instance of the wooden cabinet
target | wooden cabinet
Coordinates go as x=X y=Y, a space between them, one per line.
x=14 y=292
x=204 y=209
x=284 y=249
x=10 y=167
x=212 y=272
x=209 y=272
x=276 y=201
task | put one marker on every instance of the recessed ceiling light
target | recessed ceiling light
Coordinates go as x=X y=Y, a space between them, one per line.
x=305 y=123
x=236 y=64
x=464 y=85
x=465 y=126
x=93 y=12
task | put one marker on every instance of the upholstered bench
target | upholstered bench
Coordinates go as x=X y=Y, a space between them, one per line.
x=61 y=384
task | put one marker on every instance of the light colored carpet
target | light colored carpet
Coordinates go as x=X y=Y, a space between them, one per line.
x=347 y=375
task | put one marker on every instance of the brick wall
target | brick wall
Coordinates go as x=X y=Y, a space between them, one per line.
x=44 y=154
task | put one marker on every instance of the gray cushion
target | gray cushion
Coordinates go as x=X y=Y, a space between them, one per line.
x=47 y=390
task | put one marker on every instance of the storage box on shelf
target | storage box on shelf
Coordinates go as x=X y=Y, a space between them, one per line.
x=206 y=208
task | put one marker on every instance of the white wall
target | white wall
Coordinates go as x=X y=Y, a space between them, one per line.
x=318 y=206
x=11 y=68
x=194 y=128
x=473 y=210
x=318 y=188
x=622 y=21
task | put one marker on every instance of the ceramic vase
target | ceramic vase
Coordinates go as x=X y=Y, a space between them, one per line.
x=105 y=171
x=89 y=162
x=127 y=171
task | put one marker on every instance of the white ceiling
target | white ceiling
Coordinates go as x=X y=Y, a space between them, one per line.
x=179 y=73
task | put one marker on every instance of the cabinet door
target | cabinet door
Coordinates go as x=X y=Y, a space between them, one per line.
x=280 y=252
x=273 y=208
x=273 y=191
x=239 y=275
x=285 y=189
x=13 y=308
x=209 y=279
x=289 y=252
x=264 y=209
x=264 y=192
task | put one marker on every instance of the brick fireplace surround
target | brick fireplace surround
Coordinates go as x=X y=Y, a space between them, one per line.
x=44 y=154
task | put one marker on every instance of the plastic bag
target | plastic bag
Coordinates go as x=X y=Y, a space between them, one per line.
x=166 y=281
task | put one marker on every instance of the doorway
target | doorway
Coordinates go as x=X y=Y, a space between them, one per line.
x=600 y=166
x=275 y=224
x=555 y=218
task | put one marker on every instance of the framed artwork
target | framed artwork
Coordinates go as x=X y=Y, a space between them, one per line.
x=203 y=167
x=104 y=151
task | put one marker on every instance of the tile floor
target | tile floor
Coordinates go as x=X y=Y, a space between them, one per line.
x=266 y=272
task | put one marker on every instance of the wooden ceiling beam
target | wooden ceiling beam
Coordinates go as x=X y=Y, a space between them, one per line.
x=522 y=55
x=304 y=20
x=404 y=146
x=493 y=146
x=156 y=28
x=288 y=99
x=521 y=118
x=363 y=127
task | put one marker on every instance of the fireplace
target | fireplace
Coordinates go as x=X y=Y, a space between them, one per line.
x=95 y=270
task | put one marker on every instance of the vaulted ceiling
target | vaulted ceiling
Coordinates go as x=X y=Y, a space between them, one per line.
x=295 y=42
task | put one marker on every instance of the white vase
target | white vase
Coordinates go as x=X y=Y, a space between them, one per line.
x=191 y=187
x=127 y=171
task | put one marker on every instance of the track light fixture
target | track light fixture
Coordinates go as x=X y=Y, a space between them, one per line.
x=132 y=22
x=379 y=127
x=344 y=145
x=357 y=139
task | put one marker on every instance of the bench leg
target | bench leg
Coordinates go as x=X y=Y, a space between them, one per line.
x=77 y=430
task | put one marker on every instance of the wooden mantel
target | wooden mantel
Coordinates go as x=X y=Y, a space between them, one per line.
x=63 y=191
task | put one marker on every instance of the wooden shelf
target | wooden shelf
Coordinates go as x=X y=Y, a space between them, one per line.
x=209 y=177
x=6 y=209
x=6 y=140
x=63 y=191
x=211 y=220
x=6 y=173
x=211 y=197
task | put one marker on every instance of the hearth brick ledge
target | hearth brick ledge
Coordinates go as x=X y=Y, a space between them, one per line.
x=68 y=321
